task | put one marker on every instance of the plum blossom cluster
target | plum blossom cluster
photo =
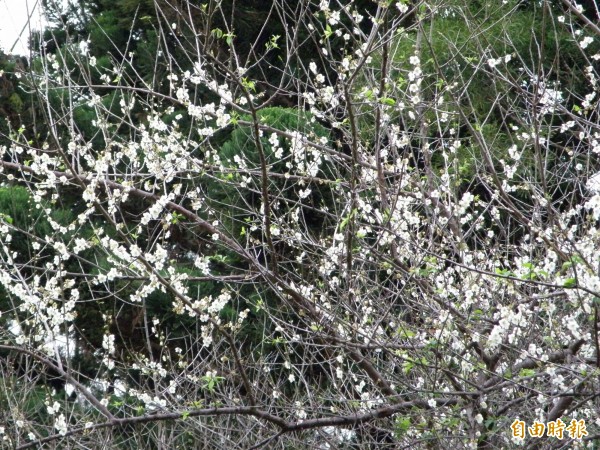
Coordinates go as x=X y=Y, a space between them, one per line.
x=383 y=255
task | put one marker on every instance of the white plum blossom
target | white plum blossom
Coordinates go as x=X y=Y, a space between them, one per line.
x=60 y=424
x=586 y=41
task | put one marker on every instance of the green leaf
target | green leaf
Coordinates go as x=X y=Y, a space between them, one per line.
x=570 y=282
x=347 y=219
x=272 y=44
x=504 y=272
x=402 y=425
x=526 y=372
x=176 y=218
x=249 y=84
x=229 y=38
x=577 y=259
x=490 y=423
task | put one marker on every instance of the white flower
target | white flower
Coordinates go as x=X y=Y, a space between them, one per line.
x=402 y=7
x=273 y=140
x=514 y=153
x=593 y=183
x=53 y=409
x=202 y=263
x=549 y=99
x=108 y=343
x=80 y=245
x=465 y=202
x=493 y=62
x=61 y=425
x=586 y=41
x=334 y=18
x=300 y=413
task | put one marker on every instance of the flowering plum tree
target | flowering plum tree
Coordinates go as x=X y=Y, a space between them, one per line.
x=378 y=228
